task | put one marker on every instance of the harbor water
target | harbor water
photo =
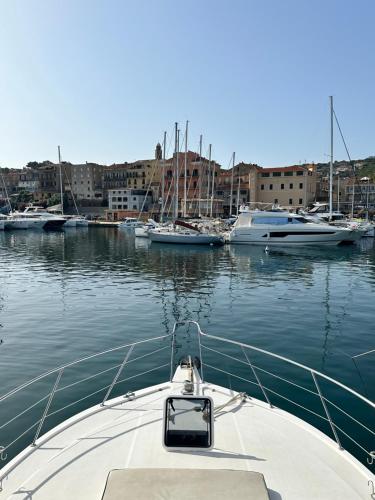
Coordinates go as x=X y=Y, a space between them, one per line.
x=64 y=295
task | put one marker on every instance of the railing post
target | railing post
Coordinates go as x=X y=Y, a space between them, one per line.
x=117 y=375
x=200 y=352
x=52 y=393
x=172 y=354
x=326 y=410
x=256 y=377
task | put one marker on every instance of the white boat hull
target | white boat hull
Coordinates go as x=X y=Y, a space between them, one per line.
x=141 y=232
x=185 y=239
x=11 y=224
x=36 y=223
x=70 y=223
x=80 y=222
x=287 y=236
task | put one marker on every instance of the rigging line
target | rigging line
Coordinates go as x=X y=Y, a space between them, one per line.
x=154 y=168
x=71 y=191
x=170 y=143
x=347 y=152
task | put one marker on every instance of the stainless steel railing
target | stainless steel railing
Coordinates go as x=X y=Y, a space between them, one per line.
x=344 y=425
x=231 y=360
x=16 y=433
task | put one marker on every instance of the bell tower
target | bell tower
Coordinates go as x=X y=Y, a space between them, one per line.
x=158 y=152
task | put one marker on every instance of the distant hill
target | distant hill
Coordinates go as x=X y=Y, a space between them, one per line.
x=363 y=168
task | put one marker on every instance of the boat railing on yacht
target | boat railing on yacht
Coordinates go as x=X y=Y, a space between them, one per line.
x=79 y=387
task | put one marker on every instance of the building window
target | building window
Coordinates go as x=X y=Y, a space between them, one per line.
x=262 y=187
x=134 y=198
x=291 y=185
x=276 y=174
x=134 y=207
x=125 y=207
x=282 y=186
x=301 y=185
x=271 y=187
x=299 y=172
x=290 y=201
x=300 y=201
x=265 y=174
x=288 y=173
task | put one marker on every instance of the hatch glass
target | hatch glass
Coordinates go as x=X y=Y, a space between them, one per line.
x=188 y=422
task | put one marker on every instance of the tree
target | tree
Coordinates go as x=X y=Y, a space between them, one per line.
x=53 y=200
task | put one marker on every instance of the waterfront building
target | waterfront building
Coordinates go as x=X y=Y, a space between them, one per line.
x=291 y=187
x=127 y=202
x=87 y=182
x=199 y=175
x=114 y=177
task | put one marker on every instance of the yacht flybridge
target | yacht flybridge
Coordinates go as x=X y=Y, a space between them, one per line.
x=280 y=431
x=287 y=229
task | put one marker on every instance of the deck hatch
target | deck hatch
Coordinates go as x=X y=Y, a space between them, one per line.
x=188 y=422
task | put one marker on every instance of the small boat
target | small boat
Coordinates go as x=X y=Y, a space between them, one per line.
x=130 y=223
x=143 y=231
x=278 y=430
x=81 y=221
x=190 y=235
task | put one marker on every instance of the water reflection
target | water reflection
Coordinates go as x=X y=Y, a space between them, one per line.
x=88 y=289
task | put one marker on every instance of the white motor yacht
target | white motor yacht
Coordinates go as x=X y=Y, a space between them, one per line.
x=39 y=217
x=289 y=433
x=284 y=228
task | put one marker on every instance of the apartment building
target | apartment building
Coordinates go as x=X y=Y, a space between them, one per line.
x=126 y=202
x=293 y=186
x=87 y=182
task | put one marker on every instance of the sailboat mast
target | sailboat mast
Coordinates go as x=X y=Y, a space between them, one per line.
x=200 y=176
x=163 y=178
x=185 y=166
x=331 y=161
x=212 y=190
x=238 y=190
x=231 y=185
x=175 y=194
x=209 y=178
x=61 y=186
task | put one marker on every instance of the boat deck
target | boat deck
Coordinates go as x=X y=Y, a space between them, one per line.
x=73 y=460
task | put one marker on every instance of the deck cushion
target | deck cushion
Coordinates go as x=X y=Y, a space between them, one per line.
x=184 y=484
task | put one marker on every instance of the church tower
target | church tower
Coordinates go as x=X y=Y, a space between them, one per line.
x=158 y=152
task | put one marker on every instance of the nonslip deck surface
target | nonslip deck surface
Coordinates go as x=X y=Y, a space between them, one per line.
x=296 y=461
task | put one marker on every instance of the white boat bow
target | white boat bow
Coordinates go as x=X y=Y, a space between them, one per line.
x=143 y=443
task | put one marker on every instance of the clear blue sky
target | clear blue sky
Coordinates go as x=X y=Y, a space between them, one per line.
x=105 y=78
